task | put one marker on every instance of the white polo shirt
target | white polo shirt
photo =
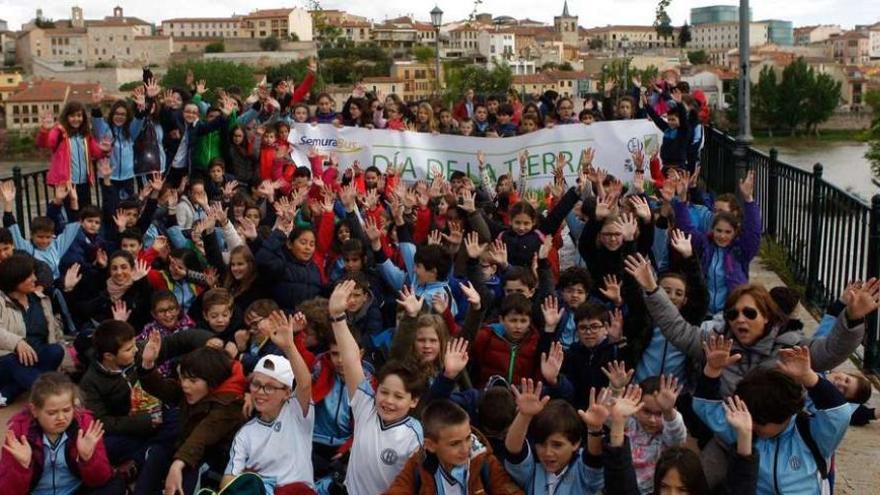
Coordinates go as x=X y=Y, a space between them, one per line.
x=280 y=451
x=380 y=450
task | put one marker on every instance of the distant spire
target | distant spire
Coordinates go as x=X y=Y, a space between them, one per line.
x=565 y=9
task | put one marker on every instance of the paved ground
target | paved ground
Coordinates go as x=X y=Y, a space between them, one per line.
x=858 y=459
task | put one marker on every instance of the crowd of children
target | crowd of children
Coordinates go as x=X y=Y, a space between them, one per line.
x=228 y=321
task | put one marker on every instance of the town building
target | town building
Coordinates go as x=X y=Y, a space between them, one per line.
x=632 y=37
x=725 y=35
x=852 y=47
x=202 y=27
x=572 y=84
x=566 y=26
x=815 y=34
x=716 y=14
x=280 y=23
x=23 y=108
x=7 y=47
x=9 y=83
x=873 y=33
x=419 y=79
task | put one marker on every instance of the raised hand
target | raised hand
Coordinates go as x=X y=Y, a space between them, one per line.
x=339 y=298
x=498 y=253
x=456 y=357
x=529 y=402
x=640 y=269
x=472 y=295
x=283 y=330
x=120 y=311
x=642 y=209
x=545 y=248
x=409 y=302
x=795 y=362
x=151 y=350
x=612 y=290
x=600 y=408
x=737 y=414
x=434 y=238
x=681 y=242
x=19 y=449
x=587 y=157
x=371 y=230
x=629 y=225
x=551 y=363
x=617 y=374
x=455 y=235
x=440 y=302
x=552 y=313
x=717 y=351
x=667 y=395
x=7 y=189
x=47 y=119
x=72 y=277
x=473 y=246
x=481 y=159
x=862 y=299
x=615 y=327
x=468 y=203
x=747 y=187
x=604 y=206
x=87 y=440
x=628 y=404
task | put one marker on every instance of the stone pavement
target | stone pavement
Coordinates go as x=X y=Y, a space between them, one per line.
x=858 y=458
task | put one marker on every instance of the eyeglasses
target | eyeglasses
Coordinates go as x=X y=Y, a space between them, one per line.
x=733 y=313
x=595 y=327
x=167 y=310
x=611 y=234
x=264 y=387
x=255 y=324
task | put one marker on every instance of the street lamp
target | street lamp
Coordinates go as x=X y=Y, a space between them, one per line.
x=744 y=136
x=437 y=21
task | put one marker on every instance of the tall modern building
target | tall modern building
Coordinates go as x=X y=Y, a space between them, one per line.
x=779 y=32
x=715 y=14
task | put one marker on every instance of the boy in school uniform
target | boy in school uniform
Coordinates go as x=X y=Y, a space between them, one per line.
x=385 y=436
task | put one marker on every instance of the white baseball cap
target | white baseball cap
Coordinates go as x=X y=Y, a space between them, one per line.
x=277 y=367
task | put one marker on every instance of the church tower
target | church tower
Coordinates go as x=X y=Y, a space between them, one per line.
x=566 y=26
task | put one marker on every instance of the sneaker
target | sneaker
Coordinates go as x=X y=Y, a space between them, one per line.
x=2 y=401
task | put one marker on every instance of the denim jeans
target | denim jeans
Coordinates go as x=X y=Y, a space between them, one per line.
x=16 y=378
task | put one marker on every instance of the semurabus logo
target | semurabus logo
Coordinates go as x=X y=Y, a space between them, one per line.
x=337 y=144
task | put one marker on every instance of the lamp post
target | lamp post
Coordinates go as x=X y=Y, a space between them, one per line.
x=744 y=136
x=624 y=43
x=437 y=21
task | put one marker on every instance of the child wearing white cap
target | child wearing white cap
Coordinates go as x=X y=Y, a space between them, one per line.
x=277 y=443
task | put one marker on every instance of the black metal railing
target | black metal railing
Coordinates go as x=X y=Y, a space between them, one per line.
x=830 y=236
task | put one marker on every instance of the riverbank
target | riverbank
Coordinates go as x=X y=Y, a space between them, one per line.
x=763 y=139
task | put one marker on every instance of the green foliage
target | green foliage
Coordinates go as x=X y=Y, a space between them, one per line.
x=872 y=98
x=270 y=44
x=775 y=258
x=293 y=37
x=350 y=64
x=765 y=98
x=662 y=22
x=216 y=47
x=596 y=44
x=684 y=35
x=482 y=80
x=698 y=57
x=566 y=66
x=69 y=63
x=823 y=98
x=325 y=34
x=129 y=86
x=19 y=144
x=216 y=73
x=424 y=54
x=105 y=64
x=294 y=71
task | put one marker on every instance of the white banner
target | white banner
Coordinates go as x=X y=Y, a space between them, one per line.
x=423 y=155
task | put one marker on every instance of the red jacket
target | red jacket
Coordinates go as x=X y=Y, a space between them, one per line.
x=498 y=356
x=15 y=479
x=56 y=141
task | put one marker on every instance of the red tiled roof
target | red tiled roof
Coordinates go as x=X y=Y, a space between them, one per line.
x=567 y=74
x=41 y=91
x=262 y=14
x=539 y=78
x=203 y=19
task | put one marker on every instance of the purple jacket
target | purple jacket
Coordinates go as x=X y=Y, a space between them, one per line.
x=740 y=252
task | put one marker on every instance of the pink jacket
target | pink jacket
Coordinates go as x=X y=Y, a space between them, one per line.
x=56 y=140
x=16 y=479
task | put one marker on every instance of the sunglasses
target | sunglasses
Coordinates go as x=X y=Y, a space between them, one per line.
x=732 y=314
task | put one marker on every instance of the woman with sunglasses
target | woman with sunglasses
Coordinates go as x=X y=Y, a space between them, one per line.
x=756 y=325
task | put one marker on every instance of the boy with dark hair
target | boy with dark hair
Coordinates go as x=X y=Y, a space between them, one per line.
x=555 y=462
x=590 y=361
x=504 y=126
x=132 y=241
x=384 y=434
x=775 y=398
x=455 y=459
x=7 y=244
x=574 y=286
x=220 y=317
x=362 y=311
x=134 y=421
x=481 y=122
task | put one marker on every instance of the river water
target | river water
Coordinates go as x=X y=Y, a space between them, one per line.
x=843 y=163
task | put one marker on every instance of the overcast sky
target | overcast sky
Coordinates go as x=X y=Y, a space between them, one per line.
x=591 y=12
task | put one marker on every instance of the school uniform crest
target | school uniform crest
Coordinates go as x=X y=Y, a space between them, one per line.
x=795 y=462
x=389 y=457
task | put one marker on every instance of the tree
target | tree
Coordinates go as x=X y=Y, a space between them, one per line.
x=698 y=57
x=566 y=66
x=684 y=35
x=424 y=54
x=216 y=47
x=765 y=99
x=482 y=80
x=216 y=73
x=348 y=65
x=822 y=100
x=872 y=98
x=294 y=71
x=596 y=44
x=662 y=22
x=270 y=44
x=797 y=81
x=129 y=86
x=327 y=35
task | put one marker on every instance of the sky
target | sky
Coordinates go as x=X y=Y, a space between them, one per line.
x=591 y=12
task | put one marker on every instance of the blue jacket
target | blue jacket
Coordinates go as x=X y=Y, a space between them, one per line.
x=787 y=464
x=122 y=152
x=583 y=476
x=397 y=278
x=52 y=254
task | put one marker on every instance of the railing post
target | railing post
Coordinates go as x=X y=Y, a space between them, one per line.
x=815 y=241
x=19 y=196
x=772 y=192
x=872 y=352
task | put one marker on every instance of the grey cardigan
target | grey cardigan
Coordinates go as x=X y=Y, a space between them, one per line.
x=825 y=353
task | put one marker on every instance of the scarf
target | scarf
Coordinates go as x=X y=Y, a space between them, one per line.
x=116 y=290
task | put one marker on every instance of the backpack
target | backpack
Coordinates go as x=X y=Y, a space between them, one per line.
x=147 y=151
x=802 y=424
